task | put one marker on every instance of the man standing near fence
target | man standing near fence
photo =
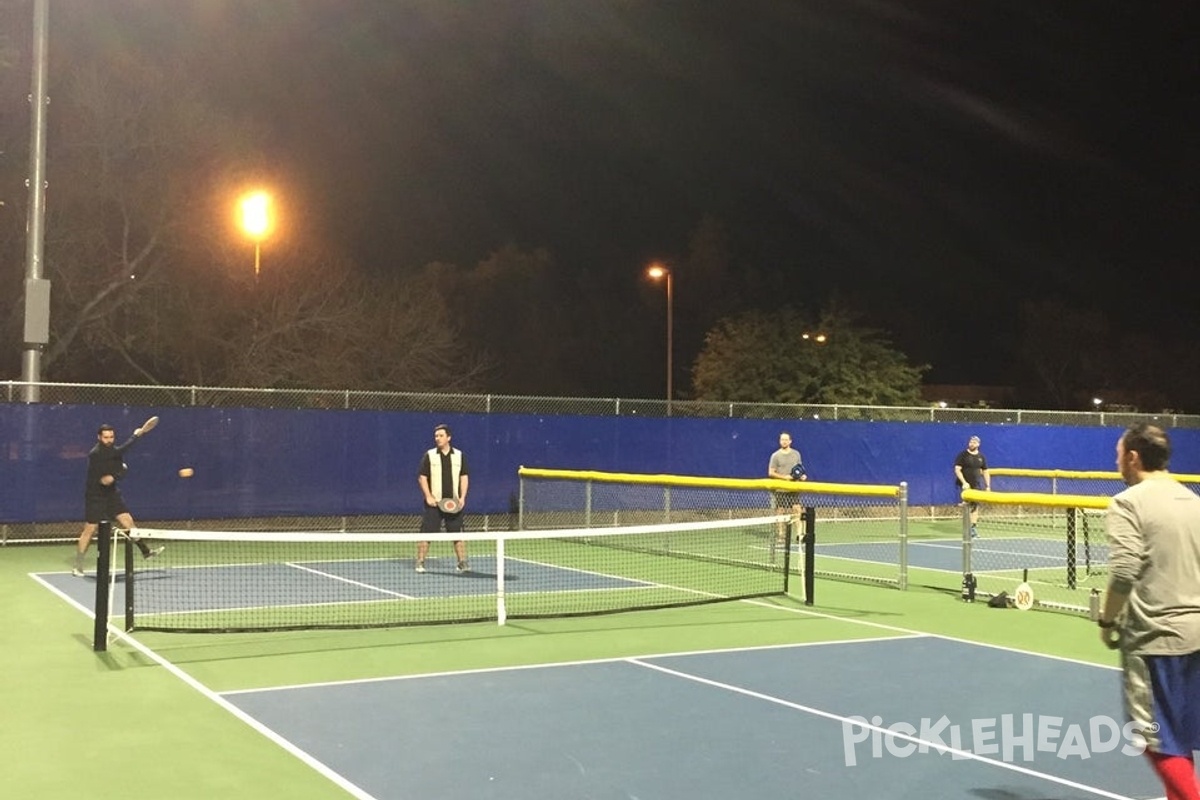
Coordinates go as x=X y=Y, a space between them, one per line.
x=971 y=472
x=786 y=464
x=1151 y=610
x=443 y=480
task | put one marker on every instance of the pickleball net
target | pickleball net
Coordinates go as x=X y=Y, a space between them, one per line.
x=243 y=581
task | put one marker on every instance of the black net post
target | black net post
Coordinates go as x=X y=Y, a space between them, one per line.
x=103 y=575
x=810 y=553
x=793 y=535
x=1071 y=549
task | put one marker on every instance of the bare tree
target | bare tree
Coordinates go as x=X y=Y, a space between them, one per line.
x=150 y=281
x=1064 y=351
x=131 y=168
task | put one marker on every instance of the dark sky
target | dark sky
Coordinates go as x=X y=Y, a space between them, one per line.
x=934 y=162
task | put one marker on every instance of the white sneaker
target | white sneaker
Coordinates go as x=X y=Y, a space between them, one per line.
x=420 y=566
x=155 y=551
x=77 y=572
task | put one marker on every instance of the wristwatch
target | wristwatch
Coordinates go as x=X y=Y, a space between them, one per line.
x=1106 y=625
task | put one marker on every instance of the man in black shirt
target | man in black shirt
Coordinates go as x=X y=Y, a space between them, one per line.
x=443 y=475
x=101 y=498
x=971 y=472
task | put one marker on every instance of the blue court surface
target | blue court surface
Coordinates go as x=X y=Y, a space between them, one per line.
x=998 y=553
x=833 y=720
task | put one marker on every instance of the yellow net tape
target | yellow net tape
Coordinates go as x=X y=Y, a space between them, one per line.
x=770 y=484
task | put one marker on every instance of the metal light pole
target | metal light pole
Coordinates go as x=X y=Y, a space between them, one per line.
x=660 y=272
x=37 y=288
x=256 y=222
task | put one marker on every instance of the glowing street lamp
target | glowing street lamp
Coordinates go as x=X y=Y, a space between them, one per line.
x=256 y=222
x=658 y=271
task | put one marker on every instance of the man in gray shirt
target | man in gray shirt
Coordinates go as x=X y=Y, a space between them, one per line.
x=1152 y=607
x=786 y=465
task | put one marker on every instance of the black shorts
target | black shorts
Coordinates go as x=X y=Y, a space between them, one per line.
x=433 y=518
x=100 y=507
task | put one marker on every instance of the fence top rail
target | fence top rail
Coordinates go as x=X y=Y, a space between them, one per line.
x=1021 y=472
x=698 y=481
x=1098 y=502
x=15 y=391
x=1068 y=474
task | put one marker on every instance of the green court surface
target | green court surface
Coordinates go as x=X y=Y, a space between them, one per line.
x=146 y=723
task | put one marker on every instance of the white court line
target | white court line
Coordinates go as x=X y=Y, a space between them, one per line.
x=939 y=747
x=944 y=637
x=360 y=584
x=983 y=548
x=556 y=664
x=319 y=766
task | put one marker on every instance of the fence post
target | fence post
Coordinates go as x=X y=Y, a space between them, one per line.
x=903 y=535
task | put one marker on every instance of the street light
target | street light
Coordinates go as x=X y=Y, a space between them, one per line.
x=658 y=271
x=256 y=222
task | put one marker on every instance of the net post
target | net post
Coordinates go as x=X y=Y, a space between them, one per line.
x=128 y=583
x=103 y=573
x=1071 y=582
x=501 y=607
x=793 y=535
x=810 y=553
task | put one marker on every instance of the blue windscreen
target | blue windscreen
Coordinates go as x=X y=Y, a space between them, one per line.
x=263 y=462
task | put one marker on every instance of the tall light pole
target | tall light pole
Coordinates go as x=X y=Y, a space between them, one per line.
x=255 y=219
x=658 y=271
x=37 y=287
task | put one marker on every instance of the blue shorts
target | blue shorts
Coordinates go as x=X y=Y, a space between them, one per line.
x=1162 y=696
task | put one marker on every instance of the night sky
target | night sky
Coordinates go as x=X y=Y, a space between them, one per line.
x=936 y=163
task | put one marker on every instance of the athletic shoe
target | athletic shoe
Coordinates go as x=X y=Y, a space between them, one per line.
x=153 y=551
x=420 y=566
x=77 y=572
x=462 y=567
x=974 y=533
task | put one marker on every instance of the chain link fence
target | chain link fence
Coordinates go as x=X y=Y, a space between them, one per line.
x=861 y=531
x=1054 y=543
x=218 y=397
